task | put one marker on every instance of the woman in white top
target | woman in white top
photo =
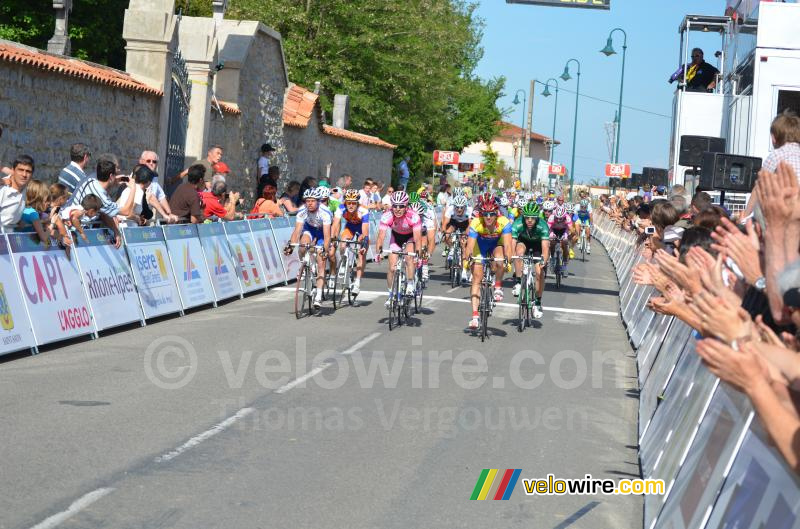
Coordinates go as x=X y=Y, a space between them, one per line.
x=443 y=198
x=143 y=176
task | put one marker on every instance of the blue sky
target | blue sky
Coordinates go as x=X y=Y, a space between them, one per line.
x=524 y=42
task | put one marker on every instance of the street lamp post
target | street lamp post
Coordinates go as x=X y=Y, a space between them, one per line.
x=608 y=51
x=522 y=137
x=546 y=93
x=566 y=76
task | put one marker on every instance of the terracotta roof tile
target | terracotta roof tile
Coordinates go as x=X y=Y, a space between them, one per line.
x=228 y=108
x=508 y=130
x=357 y=136
x=72 y=67
x=298 y=106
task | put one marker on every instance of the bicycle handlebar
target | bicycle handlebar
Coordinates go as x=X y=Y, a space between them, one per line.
x=527 y=257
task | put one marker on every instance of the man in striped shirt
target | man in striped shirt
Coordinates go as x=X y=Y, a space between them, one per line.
x=72 y=174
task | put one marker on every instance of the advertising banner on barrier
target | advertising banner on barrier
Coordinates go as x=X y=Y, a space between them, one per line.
x=51 y=288
x=283 y=228
x=15 y=328
x=221 y=265
x=244 y=254
x=108 y=280
x=147 y=251
x=189 y=265
x=268 y=251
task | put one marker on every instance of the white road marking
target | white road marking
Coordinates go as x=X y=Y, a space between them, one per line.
x=77 y=506
x=211 y=432
x=320 y=368
x=511 y=305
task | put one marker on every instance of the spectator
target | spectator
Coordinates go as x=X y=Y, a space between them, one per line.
x=443 y=198
x=76 y=214
x=141 y=213
x=34 y=215
x=266 y=204
x=345 y=181
x=160 y=204
x=263 y=161
x=73 y=174
x=101 y=186
x=12 y=195
x=403 y=173
x=700 y=77
x=700 y=201
x=386 y=201
x=185 y=201
x=213 y=155
x=273 y=175
x=290 y=199
x=785 y=134
x=213 y=202
x=365 y=194
x=375 y=198
x=710 y=217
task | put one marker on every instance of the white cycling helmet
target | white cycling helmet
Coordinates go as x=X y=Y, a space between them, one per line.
x=460 y=201
x=458 y=192
x=399 y=198
x=560 y=211
x=504 y=202
x=548 y=205
x=309 y=193
x=323 y=192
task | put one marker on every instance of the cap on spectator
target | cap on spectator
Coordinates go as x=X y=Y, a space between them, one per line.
x=788 y=282
x=661 y=189
x=267 y=148
x=324 y=183
x=221 y=168
x=672 y=234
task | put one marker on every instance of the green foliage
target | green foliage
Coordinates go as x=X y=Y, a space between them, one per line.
x=95 y=27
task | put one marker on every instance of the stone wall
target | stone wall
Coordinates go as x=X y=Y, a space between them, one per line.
x=256 y=84
x=43 y=113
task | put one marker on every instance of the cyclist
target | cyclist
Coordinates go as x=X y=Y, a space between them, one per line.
x=560 y=222
x=356 y=224
x=489 y=236
x=323 y=191
x=313 y=226
x=532 y=237
x=428 y=216
x=456 y=218
x=406 y=235
x=582 y=218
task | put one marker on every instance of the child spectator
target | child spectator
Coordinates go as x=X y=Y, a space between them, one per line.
x=37 y=198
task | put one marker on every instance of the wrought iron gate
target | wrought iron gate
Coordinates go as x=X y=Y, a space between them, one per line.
x=178 y=120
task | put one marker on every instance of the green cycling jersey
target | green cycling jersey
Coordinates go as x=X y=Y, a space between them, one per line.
x=539 y=232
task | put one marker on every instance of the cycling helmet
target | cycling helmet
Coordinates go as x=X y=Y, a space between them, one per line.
x=323 y=192
x=560 y=211
x=459 y=191
x=549 y=205
x=423 y=195
x=504 y=202
x=531 y=209
x=584 y=203
x=309 y=193
x=460 y=201
x=539 y=200
x=487 y=202
x=569 y=207
x=399 y=198
x=351 y=195
x=418 y=207
x=413 y=197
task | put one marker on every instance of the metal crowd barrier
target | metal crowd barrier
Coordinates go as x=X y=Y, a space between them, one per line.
x=698 y=435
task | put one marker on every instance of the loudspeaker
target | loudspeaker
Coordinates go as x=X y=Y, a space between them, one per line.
x=729 y=172
x=693 y=147
x=635 y=181
x=655 y=176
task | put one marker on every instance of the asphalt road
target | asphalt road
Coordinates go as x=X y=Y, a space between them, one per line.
x=331 y=421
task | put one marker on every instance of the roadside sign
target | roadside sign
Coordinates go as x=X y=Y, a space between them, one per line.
x=557 y=169
x=618 y=170
x=445 y=158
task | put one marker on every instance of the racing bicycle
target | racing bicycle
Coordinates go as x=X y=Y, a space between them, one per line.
x=306 y=287
x=346 y=272
x=399 y=302
x=528 y=290
x=486 y=301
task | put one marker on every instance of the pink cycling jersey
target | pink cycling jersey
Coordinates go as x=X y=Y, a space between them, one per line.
x=402 y=225
x=552 y=220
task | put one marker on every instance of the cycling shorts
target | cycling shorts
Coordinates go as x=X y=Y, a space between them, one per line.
x=316 y=234
x=458 y=225
x=399 y=241
x=532 y=248
x=485 y=247
x=349 y=233
x=561 y=235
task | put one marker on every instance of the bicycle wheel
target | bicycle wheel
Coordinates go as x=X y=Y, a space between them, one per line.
x=418 y=292
x=523 y=315
x=583 y=246
x=340 y=285
x=300 y=293
x=484 y=304
x=393 y=303
x=351 y=277
x=557 y=268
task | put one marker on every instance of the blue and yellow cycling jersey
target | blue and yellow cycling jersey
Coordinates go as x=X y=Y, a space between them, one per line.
x=582 y=216
x=488 y=240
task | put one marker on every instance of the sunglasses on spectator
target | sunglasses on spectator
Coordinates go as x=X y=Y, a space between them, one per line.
x=151 y=161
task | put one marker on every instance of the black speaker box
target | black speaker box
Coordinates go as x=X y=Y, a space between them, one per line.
x=655 y=176
x=635 y=181
x=693 y=147
x=729 y=172
x=613 y=182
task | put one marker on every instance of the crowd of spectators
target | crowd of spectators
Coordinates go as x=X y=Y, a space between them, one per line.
x=734 y=278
